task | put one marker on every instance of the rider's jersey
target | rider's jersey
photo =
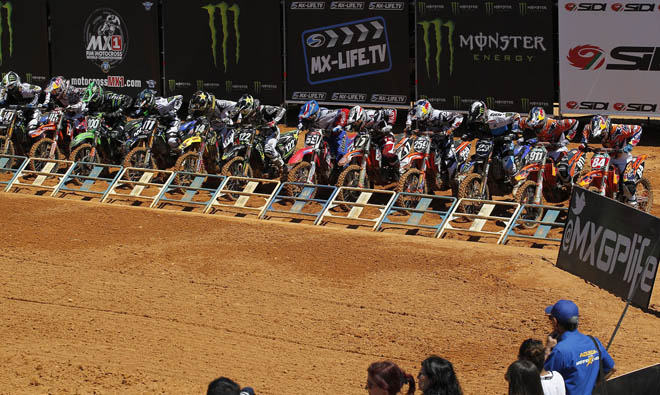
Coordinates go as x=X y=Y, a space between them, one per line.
x=327 y=120
x=380 y=121
x=27 y=94
x=618 y=136
x=220 y=113
x=71 y=98
x=441 y=121
x=167 y=107
x=263 y=115
x=500 y=122
x=556 y=131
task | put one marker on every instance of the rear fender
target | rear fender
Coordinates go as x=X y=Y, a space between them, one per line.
x=81 y=138
x=346 y=159
x=300 y=155
x=41 y=130
x=593 y=177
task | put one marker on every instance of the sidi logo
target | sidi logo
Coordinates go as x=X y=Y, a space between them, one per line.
x=587 y=105
x=572 y=104
x=636 y=107
x=634 y=7
x=586 y=57
x=585 y=7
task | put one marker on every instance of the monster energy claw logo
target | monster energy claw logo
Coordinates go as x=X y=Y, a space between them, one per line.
x=171 y=85
x=490 y=6
x=228 y=86
x=457 y=102
x=525 y=103
x=200 y=85
x=454 y=7
x=522 y=8
x=421 y=7
x=257 y=87
x=28 y=78
x=437 y=30
x=224 y=8
x=9 y=10
x=490 y=102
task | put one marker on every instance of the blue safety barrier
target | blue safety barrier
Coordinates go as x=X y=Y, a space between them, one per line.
x=86 y=181
x=195 y=188
x=13 y=165
x=545 y=224
x=417 y=213
x=307 y=195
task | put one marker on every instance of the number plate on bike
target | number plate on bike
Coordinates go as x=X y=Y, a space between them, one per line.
x=93 y=124
x=421 y=144
x=312 y=139
x=536 y=155
x=148 y=125
x=600 y=162
x=483 y=148
x=7 y=115
x=53 y=117
x=244 y=137
x=360 y=141
x=200 y=128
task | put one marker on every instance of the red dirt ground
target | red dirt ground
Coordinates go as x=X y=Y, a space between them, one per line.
x=107 y=299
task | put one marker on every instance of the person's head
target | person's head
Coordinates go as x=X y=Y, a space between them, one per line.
x=563 y=315
x=246 y=105
x=386 y=378
x=146 y=100
x=533 y=350
x=309 y=111
x=536 y=118
x=93 y=94
x=200 y=103
x=57 y=86
x=599 y=126
x=357 y=117
x=223 y=386
x=437 y=377
x=422 y=110
x=478 y=112
x=11 y=81
x=523 y=378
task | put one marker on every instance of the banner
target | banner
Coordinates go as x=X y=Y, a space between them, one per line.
x=112 y=42
x=644 y=381
x=24 y=40
x=611 y=245
x=227 y=47
x=348 y=52
x=500 y=52
x=609 y=57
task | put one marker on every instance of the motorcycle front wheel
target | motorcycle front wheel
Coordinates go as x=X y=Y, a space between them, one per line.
x=235 y=167
x=187 y=163
x=350 y=177
x=410 y=182
x=525 y=195
x=41 y=149
x=470 y=188
x=299 y=174
x=136 y=159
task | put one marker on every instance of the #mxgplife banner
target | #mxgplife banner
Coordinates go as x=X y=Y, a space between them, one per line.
x=227 y=47
x=348 y=52
x=499 y=51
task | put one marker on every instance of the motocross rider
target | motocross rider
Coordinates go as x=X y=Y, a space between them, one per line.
x=165 y=108
x=557 y=132
x=64 y=94
x=501 y=125
x=442 y=122
x=379 y=124
x=622 y=139
x=218 y=112
x=113 y=105
x=12 y=91
x=331 y=122
x=264 y=118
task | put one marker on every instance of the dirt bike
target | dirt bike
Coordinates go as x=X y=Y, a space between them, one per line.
x=148 y=147
x=605 y=179
x=13 y=133
x=53 y=138
x=95 y=145
x=200 y=151
x=311 y=164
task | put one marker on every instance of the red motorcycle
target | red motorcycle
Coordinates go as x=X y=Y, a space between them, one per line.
x=53 y=138
x=311 y=164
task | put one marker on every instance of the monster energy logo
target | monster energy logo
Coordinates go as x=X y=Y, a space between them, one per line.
x=223 y=8
x=455 y=7
x=490 y=102
x=171 y=85
x=228 y=86
x=522 y=8
x=490 y=6
x=257 y=87
x=421 y=7
x=457 y=102
x=437 y=30
x=200 y=85
x=9 y=9
x=28 y=78
x=525 y=103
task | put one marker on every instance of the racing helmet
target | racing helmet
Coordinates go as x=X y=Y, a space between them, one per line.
x=200 y=103
x=309 y=111
x=146 y=99
x=599 y=126
x=245 y=105
x=93 y=94
x=57 y=86
x=422 y=110
x=11 y=81
x=478 y=112
x=357 y=117
x=536 y=118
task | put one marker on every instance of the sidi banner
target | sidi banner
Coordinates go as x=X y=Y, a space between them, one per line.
x=227 y=47
x=609 y=57
x=500 y=52
x=112 y=42
x=611 y=245
x=24 y=39
x=360 y=57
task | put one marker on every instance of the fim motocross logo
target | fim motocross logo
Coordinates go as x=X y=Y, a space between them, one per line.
x=524 y=102
x=437 y=29
x=490 y=102
x=257 y=87
x=224 y=9
x=106 y=38
x=228 y=86
x=6 y=8
x=522 y=8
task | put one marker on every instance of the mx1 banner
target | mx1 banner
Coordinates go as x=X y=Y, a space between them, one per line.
x=500 y=52
x=348 y=52
x=609 y=57
x=611 y=245
x=24 y=40
x=226 y=47
x=112 y=42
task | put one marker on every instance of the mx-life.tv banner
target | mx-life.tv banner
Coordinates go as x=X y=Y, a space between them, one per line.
x=348 y=52
x=227 y=47
x=611 y=245
x=112 y=42
x=500 y=52
x=24 y=39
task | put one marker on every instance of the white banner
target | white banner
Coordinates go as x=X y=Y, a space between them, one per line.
x=609 y=57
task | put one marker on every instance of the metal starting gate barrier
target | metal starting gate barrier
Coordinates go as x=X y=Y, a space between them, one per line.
x=357 y=207
x=10 y=166
x=91 y=183
x=137 y=189
x=306 y=198
x=435 y=218
x=49 y=173
x=480 y=219
x=193 y=194
x=238 y=193
x=545 y=224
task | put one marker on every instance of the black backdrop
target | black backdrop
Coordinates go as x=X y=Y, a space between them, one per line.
x=24 y=39
x=114 y=42
x=348 y=51
x=500 y=52
x=228 y=47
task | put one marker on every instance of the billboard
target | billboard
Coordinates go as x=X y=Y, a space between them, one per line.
x=348 y=52
x=114 y=43
x=227 y=47
x=609 y=57
x=500 y=52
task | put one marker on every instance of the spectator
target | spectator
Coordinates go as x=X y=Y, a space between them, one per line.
x=523 y=378
x=386 y=378
x=223 y=386
x=575 y=356
x=437 y=377
x=552 y=382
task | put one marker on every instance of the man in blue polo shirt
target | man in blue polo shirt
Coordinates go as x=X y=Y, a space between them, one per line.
x=573 y=354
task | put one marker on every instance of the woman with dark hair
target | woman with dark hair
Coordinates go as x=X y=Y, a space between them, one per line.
x=534 y=351
x=523 y=378
x=437 y=377
x=386 y=378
